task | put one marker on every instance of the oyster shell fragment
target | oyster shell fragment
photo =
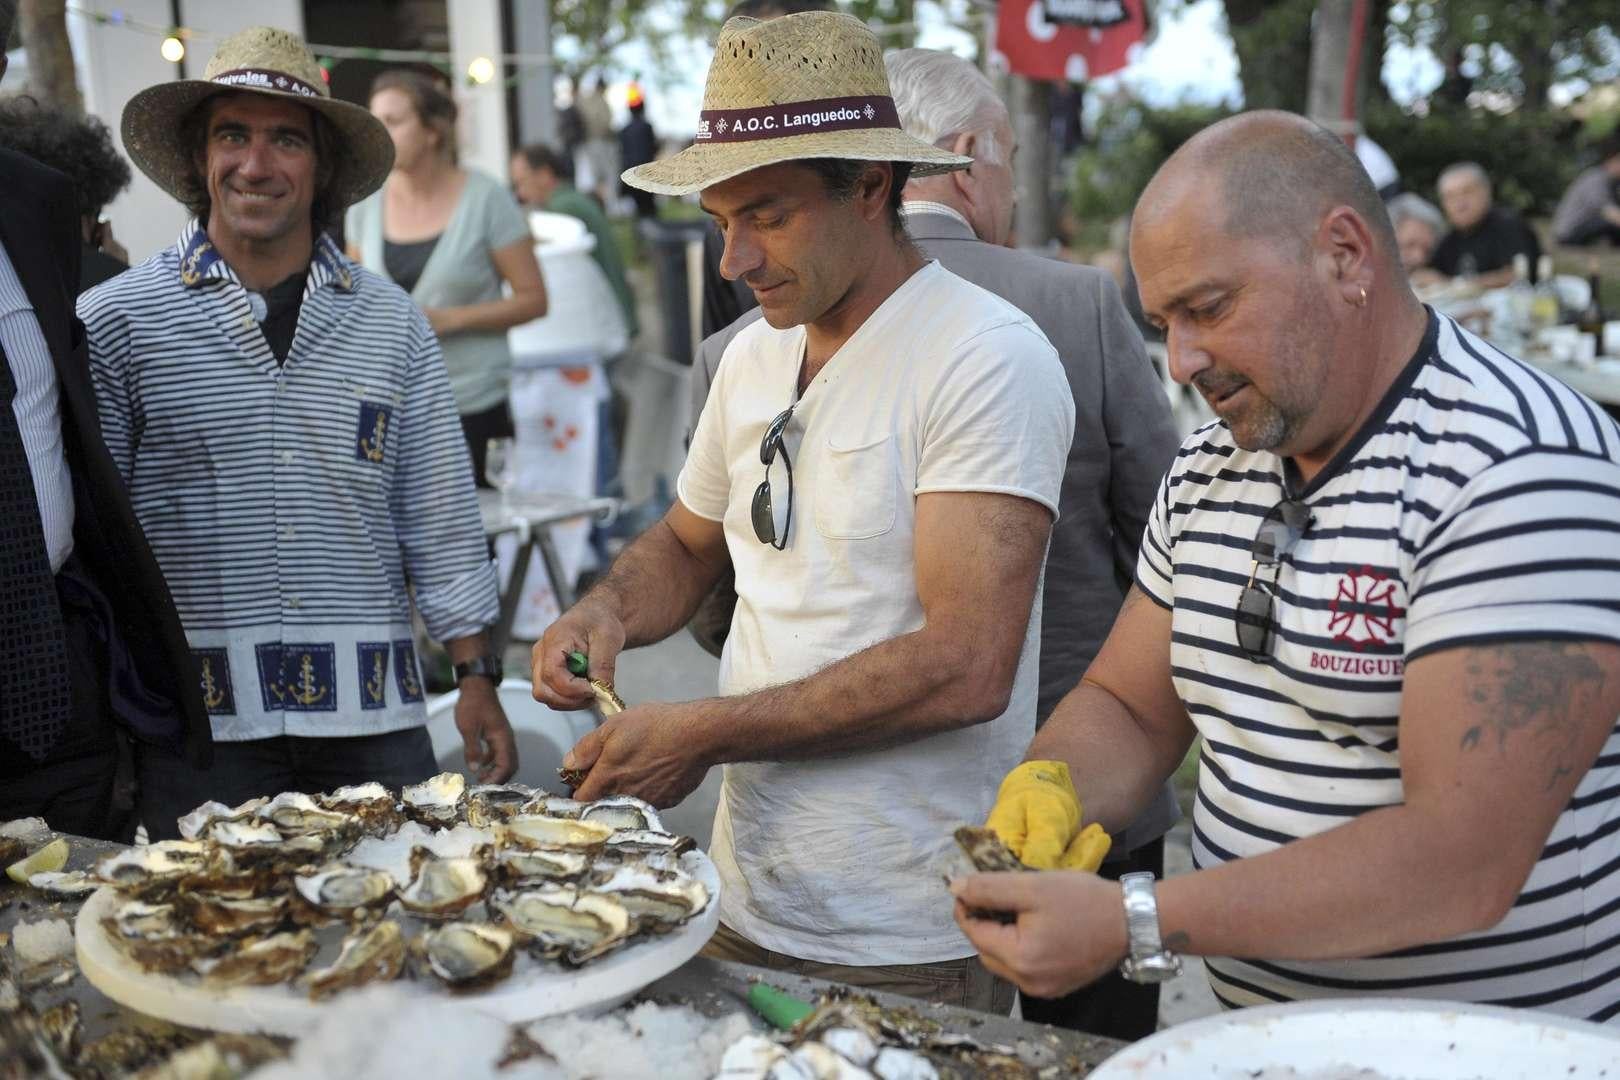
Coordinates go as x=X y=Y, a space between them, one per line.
x=657 y=901
x=371 y=804
x=154 y=936
x=228 y=916
x=65 y=884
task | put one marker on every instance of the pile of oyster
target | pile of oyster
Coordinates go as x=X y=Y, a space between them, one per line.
x=252 y=894
x=851 y=1037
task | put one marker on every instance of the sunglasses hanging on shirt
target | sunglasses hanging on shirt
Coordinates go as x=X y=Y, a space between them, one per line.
x=1279 y=531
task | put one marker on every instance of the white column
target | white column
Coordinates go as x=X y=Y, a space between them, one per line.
x=475 y=30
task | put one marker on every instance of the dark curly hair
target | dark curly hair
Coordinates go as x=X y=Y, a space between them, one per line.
x=79 y=146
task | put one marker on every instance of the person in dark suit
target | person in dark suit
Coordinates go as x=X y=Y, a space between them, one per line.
x=90 y=649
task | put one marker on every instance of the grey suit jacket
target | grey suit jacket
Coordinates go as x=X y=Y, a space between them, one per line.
x=1124 y=441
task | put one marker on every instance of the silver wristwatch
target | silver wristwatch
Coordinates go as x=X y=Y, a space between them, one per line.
x=1148 y=960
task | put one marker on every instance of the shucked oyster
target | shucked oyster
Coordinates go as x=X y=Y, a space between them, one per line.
x=371 y=803
x=441 y=888
x=564 y=923
x=155 y=868
x=531 y=831
x=628 y=843
x=658 y=901
x=488 y=804
x=547 y=805
x=437 y=800
x=65 y=884
x=624 y=812
x=374 y=954
x=196 y=823
x=262 y=843
x=297 y=814
x=260 y=961
x=529 y=866
x=467 y=954
x=341 y=890
x=153 y=936
x=228 y=916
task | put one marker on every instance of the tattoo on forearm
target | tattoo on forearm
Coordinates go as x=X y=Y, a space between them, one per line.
x=1178 y=941
x=1543 y=689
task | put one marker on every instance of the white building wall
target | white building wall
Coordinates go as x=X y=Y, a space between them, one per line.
x=475 y=30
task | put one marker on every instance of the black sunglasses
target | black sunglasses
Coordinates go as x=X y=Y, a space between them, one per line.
x=764 y=514
x=1279 y=531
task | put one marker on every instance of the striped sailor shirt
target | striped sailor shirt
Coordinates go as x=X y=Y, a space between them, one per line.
x=291 y=505
x=1480 y=503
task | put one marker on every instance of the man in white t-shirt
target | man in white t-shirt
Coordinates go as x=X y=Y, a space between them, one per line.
x=1383 y=589
x=879 y=464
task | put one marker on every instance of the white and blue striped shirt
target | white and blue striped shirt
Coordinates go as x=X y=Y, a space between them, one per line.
x=290 y=506
x=1480 y=503
x=38 y=412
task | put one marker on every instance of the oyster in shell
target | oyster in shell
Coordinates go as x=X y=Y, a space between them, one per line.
x=986 y=850
x=533 y=831
x=261 y=961
x=155 y=868
x=228 y=916
x=443 y=887
x=544 y=805
x=260 y=842
x=341 y=890
x=153 y=936
x=372 y=804
x=374 y=954
x=296 y=814
x=564 y=923
x=65 y=884
x=657 y=901
x=467 y=954
x=193 y=825
x=624 y=812
x=529 y=866
x=488 y=804
x=437 y=800
x=634 y=842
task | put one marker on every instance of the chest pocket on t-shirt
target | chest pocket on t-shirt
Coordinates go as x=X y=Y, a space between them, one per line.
x=856 y=498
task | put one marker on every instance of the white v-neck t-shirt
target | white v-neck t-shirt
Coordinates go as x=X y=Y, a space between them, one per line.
x=945 y=387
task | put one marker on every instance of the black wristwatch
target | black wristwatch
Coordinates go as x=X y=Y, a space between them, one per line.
x=488 y=665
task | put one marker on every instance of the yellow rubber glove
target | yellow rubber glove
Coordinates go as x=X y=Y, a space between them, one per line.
x=1087 y=850
x=1037 y=813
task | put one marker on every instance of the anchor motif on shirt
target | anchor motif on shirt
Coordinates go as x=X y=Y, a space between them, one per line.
x=188 y=269
x=373 y=448
x=408 y=680
x=306 y=692
x=374 y=685
x=213 y=696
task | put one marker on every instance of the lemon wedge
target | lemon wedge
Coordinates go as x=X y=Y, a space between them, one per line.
x=53 y=856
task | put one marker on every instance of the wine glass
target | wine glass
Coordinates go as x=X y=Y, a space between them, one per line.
x=500 y=468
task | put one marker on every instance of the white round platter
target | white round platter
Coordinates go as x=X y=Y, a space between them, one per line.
x=1390 y=1038
x=534 y=989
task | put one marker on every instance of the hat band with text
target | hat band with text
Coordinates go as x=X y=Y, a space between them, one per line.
x=259 y=79
x=796 y=118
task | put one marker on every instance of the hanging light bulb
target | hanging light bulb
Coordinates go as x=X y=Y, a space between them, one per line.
x=481 y=70
x=173 y=49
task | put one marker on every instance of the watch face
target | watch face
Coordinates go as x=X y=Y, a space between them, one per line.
x=1158 y=968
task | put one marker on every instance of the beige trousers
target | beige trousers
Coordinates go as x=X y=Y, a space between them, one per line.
x=964 y=983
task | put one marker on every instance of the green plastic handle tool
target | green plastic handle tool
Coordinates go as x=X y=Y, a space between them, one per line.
x=578 y=664
x=779 y=1008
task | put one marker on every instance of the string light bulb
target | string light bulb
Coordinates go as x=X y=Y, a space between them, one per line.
x=173 y=49
x=481 y=70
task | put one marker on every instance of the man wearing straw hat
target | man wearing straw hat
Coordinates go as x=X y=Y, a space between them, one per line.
x=879 y=463
x=285 y=425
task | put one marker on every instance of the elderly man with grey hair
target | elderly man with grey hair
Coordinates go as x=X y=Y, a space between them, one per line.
x=1485 y=236
x=1419 y=225
x=1124 y=438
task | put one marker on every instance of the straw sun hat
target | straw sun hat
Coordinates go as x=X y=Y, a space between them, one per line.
x=800 y=86
x=259 y=60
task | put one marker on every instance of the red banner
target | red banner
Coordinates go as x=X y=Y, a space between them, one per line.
x=1067 y=40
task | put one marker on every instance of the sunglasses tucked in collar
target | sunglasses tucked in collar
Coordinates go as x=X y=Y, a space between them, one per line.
x=1279 y=531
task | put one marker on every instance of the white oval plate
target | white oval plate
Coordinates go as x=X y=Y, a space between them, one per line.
x=1396 y=1038
x=533 y=990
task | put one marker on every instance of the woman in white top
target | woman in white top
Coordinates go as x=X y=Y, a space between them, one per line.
x=450 y=237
